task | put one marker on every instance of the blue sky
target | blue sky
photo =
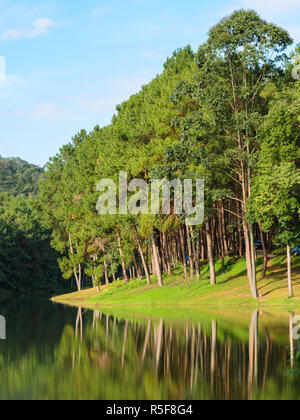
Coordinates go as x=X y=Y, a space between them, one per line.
x=70 y=62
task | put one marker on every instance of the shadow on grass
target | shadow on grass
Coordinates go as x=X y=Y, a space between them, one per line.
x=279 y=287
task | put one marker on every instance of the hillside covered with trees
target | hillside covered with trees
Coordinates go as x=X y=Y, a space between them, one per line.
x=19 y=177
x=228 y=113
x=27 y=261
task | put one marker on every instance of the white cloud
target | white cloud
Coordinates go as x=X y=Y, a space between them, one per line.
x=40 y=26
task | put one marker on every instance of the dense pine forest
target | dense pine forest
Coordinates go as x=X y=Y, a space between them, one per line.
x=27 y=261
x=19 y=177
x=228 y=113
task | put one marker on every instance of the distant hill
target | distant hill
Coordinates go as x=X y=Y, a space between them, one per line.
x=19 y=177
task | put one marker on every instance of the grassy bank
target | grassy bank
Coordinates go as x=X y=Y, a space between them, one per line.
x=232 y=289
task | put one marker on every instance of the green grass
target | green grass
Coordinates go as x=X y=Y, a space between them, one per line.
x=232 y=288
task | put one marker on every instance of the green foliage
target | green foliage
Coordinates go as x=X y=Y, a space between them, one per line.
x=228 y=114
x=136 y=142
x=27 y=262
x=19 y=177
x=275 y=195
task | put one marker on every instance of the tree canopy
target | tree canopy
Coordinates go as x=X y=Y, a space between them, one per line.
x=228 y=114
x=19 y=177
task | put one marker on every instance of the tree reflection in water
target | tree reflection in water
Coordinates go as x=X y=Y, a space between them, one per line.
x=187 y=361
x=105 y=356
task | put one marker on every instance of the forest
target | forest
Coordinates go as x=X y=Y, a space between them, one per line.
x=18 y=177
x=28 y=264
x=228 y=113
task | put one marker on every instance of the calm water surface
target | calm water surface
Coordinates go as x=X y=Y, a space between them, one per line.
x=57 y=352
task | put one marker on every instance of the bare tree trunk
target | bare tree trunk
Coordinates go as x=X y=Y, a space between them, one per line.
x=162 y=254
x=106 y=273
x=196 y=253
x=249 y=240
x=167 y=253
x=137 y=268
x=202 y=246
x=138 y=241
x=190 y=251
x=264 y=272
x=221 y=239
x=240 y=240
x=289 y=265
x=183 y=252
x=177 y=249
x=253 y=262
x=210 y=255
x=77 y=276
x=249 y=260
x=156 y=262
x=122 y=258
x=213 y=232
x=151 y=265
x=225 y=241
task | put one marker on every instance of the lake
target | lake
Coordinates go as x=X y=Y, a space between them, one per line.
x=58 y=352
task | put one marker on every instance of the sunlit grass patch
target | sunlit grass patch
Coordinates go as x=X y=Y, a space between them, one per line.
x=232 y=287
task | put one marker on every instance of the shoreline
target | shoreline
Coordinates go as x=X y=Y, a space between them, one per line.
x=231 y=291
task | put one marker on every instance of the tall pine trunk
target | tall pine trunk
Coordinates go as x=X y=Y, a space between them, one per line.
x=156 y=262
x=182 y=245
x=189 y=243
x=76 y=275
x=289 y=265
x=195 y=247
x=106 y=273
x=137 y=268
x=167 y=253
x=210 y=255
x=138 y=241
x=264 y=272
x=224 y=235
x=253 y=262
x=122 y=258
